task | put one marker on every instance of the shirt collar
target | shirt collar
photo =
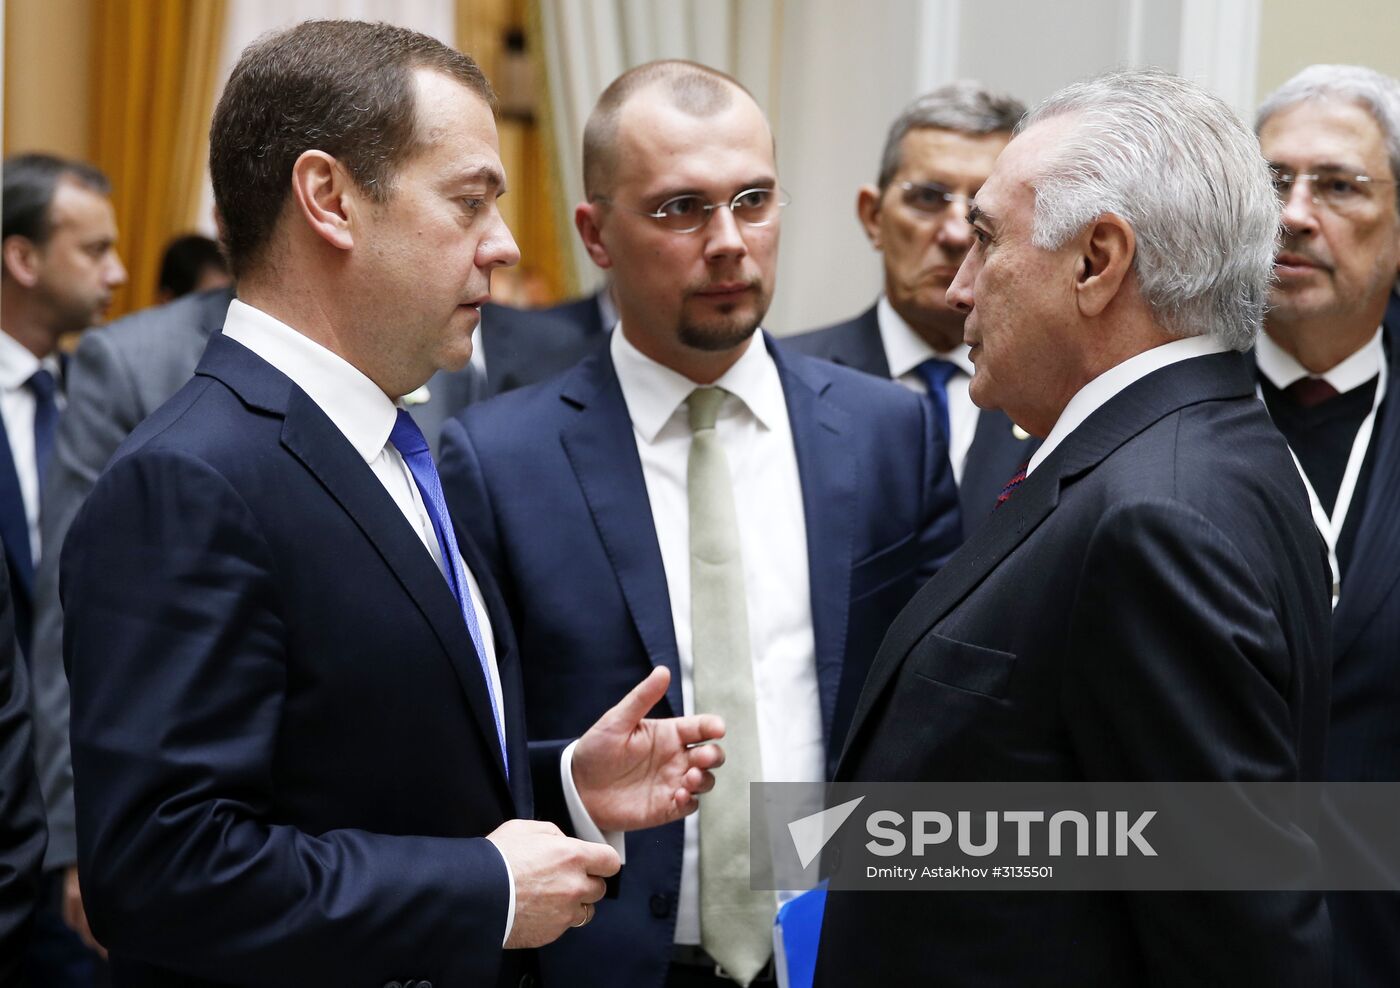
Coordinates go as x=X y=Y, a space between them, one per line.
x=906 y=349
x=1101 y=389
x=354 y=404
x=18 y=364
x=1282 y=369
x=654 y=392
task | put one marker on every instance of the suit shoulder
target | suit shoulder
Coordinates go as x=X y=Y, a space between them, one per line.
x=152 y=327
x=524 y=409
x=820 y=342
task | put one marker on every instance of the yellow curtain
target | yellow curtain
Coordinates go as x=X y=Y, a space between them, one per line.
x=533 y=209
x=153 y=83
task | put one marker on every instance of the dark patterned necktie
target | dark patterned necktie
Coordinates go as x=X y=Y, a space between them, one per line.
x=44 y=388
x=1016 y=481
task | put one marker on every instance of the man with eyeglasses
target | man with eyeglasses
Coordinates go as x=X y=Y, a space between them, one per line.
x=694 y=497
x=938 y=153
x=1327 y=362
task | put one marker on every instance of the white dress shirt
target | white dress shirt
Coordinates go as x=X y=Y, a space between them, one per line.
x=905 y=350
x=1097 y=392
x=754 y=430
x=365 y=416
x=17 y=366
x=1283 y=369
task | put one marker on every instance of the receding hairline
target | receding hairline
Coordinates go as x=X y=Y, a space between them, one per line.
x=690 y=87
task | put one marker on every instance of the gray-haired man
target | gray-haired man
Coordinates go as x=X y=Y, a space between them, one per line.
x=1151 y=602
x=937 y=154
x=1326 y=372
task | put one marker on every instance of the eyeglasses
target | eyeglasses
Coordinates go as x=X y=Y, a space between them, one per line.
x=686 y=214
x=1339 y=191
x=931 y=197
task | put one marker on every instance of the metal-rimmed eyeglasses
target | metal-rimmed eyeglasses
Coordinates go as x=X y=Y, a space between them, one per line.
x=932 y=198
x=1338 y=190
x=688 y=213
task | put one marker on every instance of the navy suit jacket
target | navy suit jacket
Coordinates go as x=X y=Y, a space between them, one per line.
x=549 y=482
x=22 y=834
x=285 y=756
x=521 y=346
x=1151 y=604
x=995 y=454
x=1363 y=743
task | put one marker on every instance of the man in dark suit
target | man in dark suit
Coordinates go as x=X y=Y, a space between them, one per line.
x=1151 y=602
x=60 y=268
x=937 y=155
x=22 y=834
x=696 y=498
x=298 y=734
x=1327 y=373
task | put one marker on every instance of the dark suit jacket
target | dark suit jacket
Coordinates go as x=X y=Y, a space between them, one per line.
x=521 y=346
x=22 y=833
x=995 y=455
x=285 y=756
x=1364 y=740
x=568 y=530
x=1151 y=604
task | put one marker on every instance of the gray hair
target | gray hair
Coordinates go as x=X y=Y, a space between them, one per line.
x=965 y=107
x=1177 y=164
x=1374 y=92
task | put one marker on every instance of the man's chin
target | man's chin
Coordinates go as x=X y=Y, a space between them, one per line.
x=716 y=338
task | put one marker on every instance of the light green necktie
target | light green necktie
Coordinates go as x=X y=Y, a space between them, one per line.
x=736 y=923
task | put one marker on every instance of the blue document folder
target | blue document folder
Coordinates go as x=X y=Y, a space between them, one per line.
x=796 y=932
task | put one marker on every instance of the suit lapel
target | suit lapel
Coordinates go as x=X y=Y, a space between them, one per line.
x=603 y=453
x=858 y=345
x=827 y=469
x=1217 y=376
x=995 y=454
x=1373 y=569
x=314 y=440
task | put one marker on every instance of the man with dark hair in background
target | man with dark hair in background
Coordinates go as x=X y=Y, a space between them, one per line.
x=696 y=498
x=1327 y=372
x=60 y=267
x=191 y=263
x=298 y=735
x=937 y=154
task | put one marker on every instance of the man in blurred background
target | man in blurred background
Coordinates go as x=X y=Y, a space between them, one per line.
x=938 y=153
x=60 y=267
x=191 y=263
x=1327 y=372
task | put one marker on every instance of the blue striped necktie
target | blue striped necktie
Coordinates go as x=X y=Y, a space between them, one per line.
x=408 y=440
x=935 y=373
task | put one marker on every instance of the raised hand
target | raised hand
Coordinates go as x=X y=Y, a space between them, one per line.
x=633 y=772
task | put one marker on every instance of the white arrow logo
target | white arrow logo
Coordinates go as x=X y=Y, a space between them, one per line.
x=811 y=833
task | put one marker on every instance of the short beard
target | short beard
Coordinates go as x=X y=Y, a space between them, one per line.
x=725 y=331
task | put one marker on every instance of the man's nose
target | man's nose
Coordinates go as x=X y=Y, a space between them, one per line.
x=960 y=291
x=723 y=235
x=954 y=231
x=116 y=272
x=1299 y=209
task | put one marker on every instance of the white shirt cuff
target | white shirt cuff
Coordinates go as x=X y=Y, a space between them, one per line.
x=510 y=907
x=584 y=827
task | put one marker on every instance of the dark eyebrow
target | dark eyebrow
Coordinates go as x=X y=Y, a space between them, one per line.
x=492 y=177
x=977 y=215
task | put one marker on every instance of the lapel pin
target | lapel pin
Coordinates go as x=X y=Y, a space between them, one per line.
x=418 y=396
x=1019 y=432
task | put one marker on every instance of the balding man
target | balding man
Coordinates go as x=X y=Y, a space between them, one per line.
x=1327 y=373
x=694 y=498
x=1150 y=602
x=938 y=153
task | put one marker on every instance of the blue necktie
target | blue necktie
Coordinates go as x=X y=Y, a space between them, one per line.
x=44 y=387
x=408 y=440
x=935 y=374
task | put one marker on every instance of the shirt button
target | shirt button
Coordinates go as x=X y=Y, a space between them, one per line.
x=660 y=906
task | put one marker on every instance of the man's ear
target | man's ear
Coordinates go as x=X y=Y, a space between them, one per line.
x=326 y=197
x=586 y=220
x=20 y=256
x=1106 y=250
x=868 y=203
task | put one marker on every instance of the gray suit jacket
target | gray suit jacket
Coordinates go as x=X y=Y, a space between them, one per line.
x=119 y=375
